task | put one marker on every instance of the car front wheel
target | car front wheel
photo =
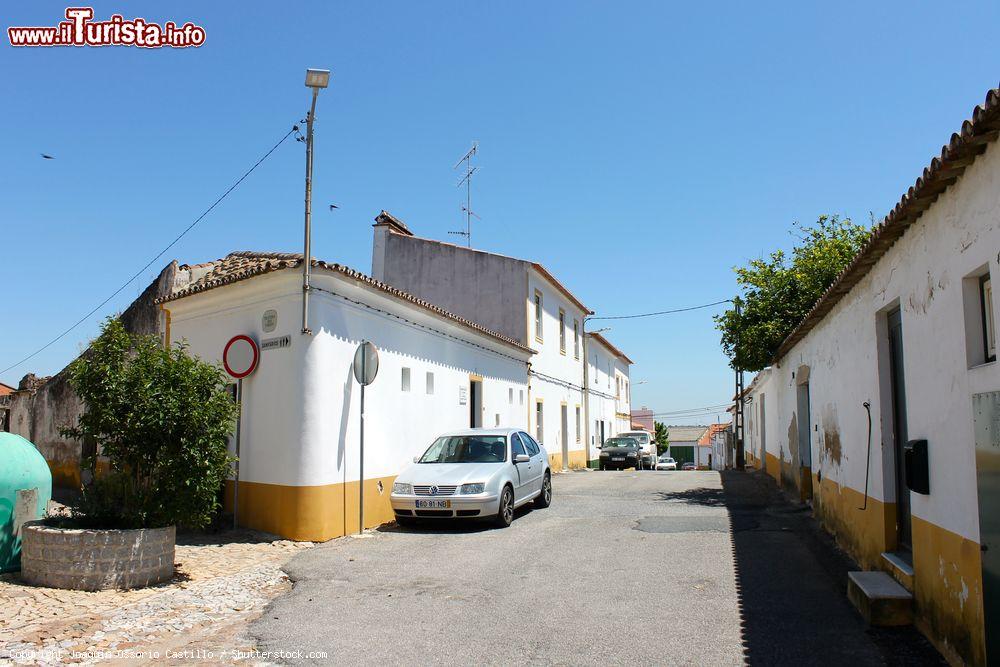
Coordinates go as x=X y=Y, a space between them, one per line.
x=505 y=513
x=544 y=498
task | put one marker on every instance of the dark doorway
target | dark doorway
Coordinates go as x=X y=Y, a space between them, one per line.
x=475 y=403
x=899 y=437
x=804 y=440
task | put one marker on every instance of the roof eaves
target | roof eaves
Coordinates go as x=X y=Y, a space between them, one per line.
x=943 y=171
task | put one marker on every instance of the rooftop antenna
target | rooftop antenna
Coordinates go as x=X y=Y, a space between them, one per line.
x=467 y=182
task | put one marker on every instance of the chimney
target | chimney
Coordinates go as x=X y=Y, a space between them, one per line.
x=385 y=224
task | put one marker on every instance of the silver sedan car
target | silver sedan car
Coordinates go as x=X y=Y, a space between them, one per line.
x=474 y=473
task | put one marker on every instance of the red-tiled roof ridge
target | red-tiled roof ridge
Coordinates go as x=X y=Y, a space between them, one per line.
x=706 y=439
x=943 y=171
x=244 y=264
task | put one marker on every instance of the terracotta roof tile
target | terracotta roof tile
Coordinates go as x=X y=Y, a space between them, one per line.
x=241 y=265
x=943 y=171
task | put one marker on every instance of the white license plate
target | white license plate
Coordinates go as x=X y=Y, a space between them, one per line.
x=617 y=458
x=434 y=504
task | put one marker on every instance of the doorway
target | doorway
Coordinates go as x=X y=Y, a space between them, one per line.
x=899 y=435
x=564 y=438
x=475 y=403
x=804 y=440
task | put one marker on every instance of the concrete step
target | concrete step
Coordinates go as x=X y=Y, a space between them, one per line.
x=900 y=566
x=879 y=598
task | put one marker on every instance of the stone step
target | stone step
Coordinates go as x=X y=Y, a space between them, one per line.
x=879 y=598
x=900 y=566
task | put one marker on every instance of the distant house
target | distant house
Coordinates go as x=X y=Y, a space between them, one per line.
x=643 y=418
x=5 y=392
x=712 y=448
x=684 y=443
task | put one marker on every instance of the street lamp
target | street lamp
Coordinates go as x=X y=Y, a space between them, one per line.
x=315 y=79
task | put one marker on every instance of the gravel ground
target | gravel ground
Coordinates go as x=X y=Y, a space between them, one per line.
x=613 y=572
x=222 y=582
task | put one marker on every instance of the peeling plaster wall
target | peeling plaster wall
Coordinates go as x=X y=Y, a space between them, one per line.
x=923 y=273
x=37 y=413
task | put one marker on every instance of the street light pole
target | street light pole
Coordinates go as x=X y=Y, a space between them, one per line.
x=315 y=79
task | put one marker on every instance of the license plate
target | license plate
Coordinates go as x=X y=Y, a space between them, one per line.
x=617 y=458
x=434 y=504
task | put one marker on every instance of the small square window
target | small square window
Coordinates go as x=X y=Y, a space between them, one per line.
x=430 y=383
x=510 y=396
x=522 y=397
x=498 y=419
x=406 y=379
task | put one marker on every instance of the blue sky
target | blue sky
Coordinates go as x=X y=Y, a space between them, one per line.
x=638 y=150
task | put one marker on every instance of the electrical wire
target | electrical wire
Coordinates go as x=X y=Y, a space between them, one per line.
x=661 y=312
x=158 y=255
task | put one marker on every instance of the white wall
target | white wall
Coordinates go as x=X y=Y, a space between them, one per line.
x=301 y=406
x=922 y=273
x=557 y=377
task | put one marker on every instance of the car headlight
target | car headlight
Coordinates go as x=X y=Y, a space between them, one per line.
x=604 y=454
x=476 y=487
x=402 y=489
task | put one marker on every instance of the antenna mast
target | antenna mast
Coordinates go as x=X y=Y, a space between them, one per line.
x=467 y=182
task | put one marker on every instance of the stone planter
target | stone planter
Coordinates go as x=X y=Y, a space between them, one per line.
x=93 y=560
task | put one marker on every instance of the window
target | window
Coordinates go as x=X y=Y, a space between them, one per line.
x=578 y=423
x=530 y=444
x=510 y=396
x=562 y=331
x=521 y=398
x=618 y=387
x=986 y=312
x=539 y=418
x=430 y=383
x=516 y=447
x=406 y=379
x=538 y=315
x=498 y=419
x=576 y=339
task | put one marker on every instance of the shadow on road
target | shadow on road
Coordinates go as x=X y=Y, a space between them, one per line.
x=451 y=526
x=792 y=584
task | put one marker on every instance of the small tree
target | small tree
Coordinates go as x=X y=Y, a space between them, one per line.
x=660 y=437
x=779 y=291
x=162 y=418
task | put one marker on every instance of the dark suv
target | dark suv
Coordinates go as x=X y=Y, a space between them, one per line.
x=620 y=453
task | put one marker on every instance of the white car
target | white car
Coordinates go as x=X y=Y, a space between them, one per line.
x=666 y=463
x=474 y=473
x=646 y=445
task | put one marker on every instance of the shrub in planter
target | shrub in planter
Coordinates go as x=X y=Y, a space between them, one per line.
x=161 y=417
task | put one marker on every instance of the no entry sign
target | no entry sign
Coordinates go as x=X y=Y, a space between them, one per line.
x=240 y=356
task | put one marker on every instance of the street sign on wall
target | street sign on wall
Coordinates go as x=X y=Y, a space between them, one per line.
x=240 y=356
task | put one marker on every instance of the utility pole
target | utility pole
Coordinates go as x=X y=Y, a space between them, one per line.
x=315 y=79
x=738 y=407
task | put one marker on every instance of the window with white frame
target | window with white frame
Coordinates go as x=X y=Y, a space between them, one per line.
x=578 y=423
x=539 y=421
x=521 y=397
x=510 y=395
x=405 y=379
x=538 y=315
x=576 y=339
x=562 y=331
x=430 y=382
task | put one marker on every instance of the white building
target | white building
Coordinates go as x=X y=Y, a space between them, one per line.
x=522 y=300
x=610 y=392
x=895 y=363
x=299 y=462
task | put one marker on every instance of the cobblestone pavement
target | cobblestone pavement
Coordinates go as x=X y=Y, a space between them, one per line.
x=221 y=584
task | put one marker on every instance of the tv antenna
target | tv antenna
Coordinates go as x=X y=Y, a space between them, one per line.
x=467 y=182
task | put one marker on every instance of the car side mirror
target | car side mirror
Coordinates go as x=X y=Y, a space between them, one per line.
x=522 y=458
x=416 y=459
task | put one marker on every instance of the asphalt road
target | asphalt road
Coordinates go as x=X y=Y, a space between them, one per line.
x=688 y=568
x=622 y=568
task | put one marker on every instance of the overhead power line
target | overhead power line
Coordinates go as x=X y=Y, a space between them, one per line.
x=661 y=312
x=157 y=256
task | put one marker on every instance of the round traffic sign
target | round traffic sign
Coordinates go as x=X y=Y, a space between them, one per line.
x=365 y=363
x=240 y=356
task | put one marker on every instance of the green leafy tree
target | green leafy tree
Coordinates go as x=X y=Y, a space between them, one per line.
x=779 y=290
x=162 y=418
x=660 y=437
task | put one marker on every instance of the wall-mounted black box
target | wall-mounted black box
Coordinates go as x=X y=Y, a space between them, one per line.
x=918 y=476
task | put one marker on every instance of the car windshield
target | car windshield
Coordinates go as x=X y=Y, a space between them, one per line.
x=467 y=449
x=666 y=459
x=640 y=437
x=628 y=443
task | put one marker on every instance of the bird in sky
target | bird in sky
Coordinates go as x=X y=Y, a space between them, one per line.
x=46 y=157
x=333 y=206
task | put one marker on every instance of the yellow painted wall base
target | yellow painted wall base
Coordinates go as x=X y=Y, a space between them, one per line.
x=311 y=513
x=772 y=466
x=947 y=568
x=65 y=474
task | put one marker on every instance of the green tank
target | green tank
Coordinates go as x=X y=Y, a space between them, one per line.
x=25 y=490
